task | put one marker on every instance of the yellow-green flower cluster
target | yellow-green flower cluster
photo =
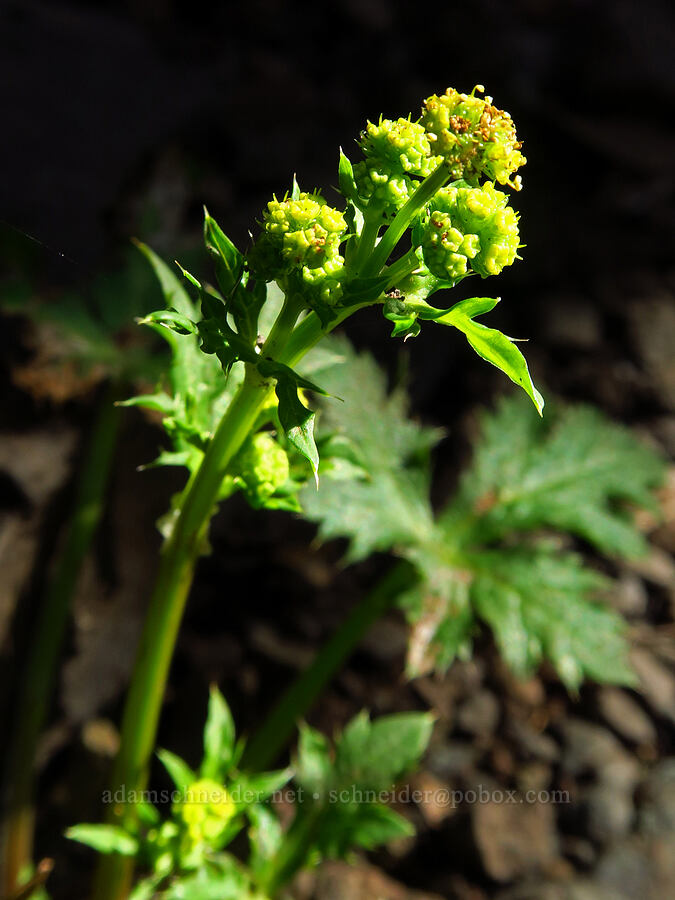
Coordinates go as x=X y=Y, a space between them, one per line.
x=473 y=136
x=263 y=465
x=396 y=153
x=469 y=228
x=301 y=235
x=206 y=810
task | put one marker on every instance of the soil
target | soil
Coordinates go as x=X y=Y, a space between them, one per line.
x=124 y=119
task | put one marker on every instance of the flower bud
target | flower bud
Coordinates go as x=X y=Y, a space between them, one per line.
x=262 y=465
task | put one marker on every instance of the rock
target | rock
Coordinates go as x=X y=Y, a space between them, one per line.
x=530 y=692
x=626 y=870
x=658 y=567
x=652 y=322
x=580 y=850
x=340 y=881
x=657 y=683
x=626 y=716
x=514 y=839
x=532 y=742
x=434 y=806
x=451 y=759
x=468 y=674
x=534 y=776
x=629 y=596
x=579 y=889
x=591 y=748
x=573 y=322
x=657 y=812
x=479 y=714
x=386 y=640
x=611 y=811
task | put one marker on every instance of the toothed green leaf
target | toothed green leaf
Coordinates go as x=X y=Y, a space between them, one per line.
x=389 y=503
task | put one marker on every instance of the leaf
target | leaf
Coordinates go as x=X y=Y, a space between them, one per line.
x=249 y=789
x=269 y=368
x=295 y=191
x=244 y=305
x=179 y=771
x=219 y=737
x=265 y=835
x=313 y=766
x=346 y=179
x=374 y=824
x=346 y=824
x=441 y=616
x=221 y=247
x=540 y=603
x=159 y=402
x=575 y=472
x=191 y=278
x=374 y=755
x=492 y=345
x=147 y=813
x=171 y=319
x=297 y=422
x=175 y=295
x=390 y=504
x=104 y=838
x=219 y=878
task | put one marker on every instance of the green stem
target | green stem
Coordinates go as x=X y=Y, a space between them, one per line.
x=367 y=238
x=431 y=184
x=293 y=853
x=279 y=726
x=401 y=268
x=37 y=681
x=178 y=560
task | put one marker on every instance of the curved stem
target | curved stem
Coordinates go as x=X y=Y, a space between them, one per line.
x=295 y=703
x=37 y=680
x=178 y=560
x=431 y=184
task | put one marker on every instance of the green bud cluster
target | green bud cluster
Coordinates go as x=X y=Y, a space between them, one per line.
x=394 y=151
x=263 y=465
x=302 y=236
x=469 y=228
x=473 y=136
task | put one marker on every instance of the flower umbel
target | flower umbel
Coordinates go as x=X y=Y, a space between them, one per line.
x=474 y=137
x=469 y=228
x=301 y=235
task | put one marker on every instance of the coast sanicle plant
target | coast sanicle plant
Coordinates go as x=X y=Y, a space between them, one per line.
x=421 y=213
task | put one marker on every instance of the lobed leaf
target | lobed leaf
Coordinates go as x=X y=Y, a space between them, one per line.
x=388 y=503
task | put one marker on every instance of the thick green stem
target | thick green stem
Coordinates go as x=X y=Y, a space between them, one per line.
x=178 y=560
x=270 y=740
x=431 y=184
x=37 y=680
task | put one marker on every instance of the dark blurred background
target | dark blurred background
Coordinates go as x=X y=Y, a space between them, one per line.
x=123 y=119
